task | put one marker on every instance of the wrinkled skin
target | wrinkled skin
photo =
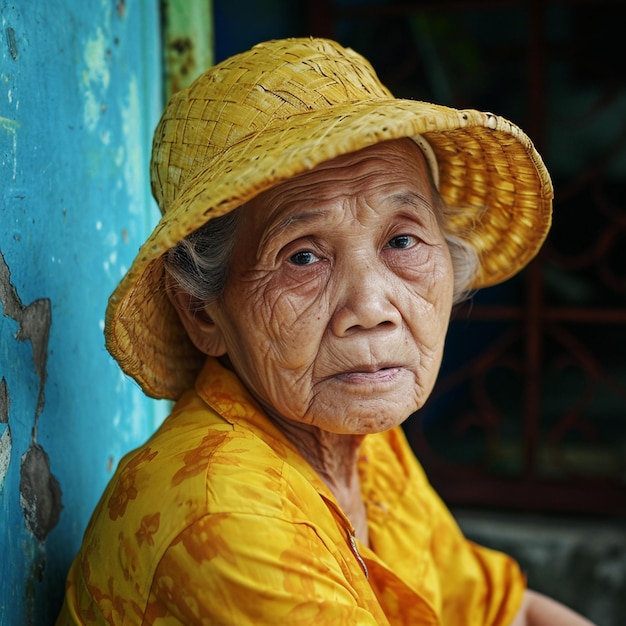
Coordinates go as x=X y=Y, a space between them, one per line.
x=337 y=303
x=339 y=293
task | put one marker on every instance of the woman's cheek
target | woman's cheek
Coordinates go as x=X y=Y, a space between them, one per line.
x=293 y=295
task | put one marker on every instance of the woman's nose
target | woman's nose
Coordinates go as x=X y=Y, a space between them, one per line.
x=365 y=301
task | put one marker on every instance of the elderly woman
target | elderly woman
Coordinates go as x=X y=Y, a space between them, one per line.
x=294 y=301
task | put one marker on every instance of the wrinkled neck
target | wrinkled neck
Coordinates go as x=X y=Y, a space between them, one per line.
x=334 y=457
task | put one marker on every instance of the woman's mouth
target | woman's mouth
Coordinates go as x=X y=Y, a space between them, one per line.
x=371 y=375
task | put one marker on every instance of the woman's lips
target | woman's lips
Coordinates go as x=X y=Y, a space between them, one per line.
x=371 y=375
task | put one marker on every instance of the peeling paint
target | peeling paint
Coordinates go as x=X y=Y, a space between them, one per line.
x=68 y=173
x=6 y=445
x=4 y=402
x=40 y=493
x=6 y=442
x=12 y=43
x=187 y=41
x=181 y=61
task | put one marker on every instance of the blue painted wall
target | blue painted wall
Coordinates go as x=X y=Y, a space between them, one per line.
x=80 y=93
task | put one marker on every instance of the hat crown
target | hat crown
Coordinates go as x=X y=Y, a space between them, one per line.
x=247 y=94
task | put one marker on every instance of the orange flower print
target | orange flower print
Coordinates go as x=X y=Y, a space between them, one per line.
x=110 y=605
x=148 y=528
x=128 y=556
x=125 y=490
x=196 y=460
x=206 y=541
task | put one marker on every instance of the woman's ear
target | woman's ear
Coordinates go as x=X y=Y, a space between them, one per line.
x=205 y=334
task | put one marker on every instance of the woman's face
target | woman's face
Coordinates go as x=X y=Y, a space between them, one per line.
x=339 y=293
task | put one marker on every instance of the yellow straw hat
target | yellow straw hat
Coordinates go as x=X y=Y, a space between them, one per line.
x=282 y=108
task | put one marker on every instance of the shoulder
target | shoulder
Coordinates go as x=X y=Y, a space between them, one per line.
x=196 y=463
x=196 y=470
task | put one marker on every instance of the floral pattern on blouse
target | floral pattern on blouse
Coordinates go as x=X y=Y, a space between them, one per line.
x=218 y=520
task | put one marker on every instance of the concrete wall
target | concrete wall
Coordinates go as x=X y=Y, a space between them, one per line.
x=80 y=93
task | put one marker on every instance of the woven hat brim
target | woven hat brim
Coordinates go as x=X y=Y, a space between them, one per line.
x=486 y=164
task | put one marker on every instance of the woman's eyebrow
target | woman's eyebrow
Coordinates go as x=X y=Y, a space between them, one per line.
x=302 y=217
x=289 y=222
x=412 y=198
x=423 y=205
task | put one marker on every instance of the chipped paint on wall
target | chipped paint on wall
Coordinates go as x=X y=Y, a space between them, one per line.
x=188 y=41
x=6 y=445
x=80 y=96
x=6 y=442
x=40 y=493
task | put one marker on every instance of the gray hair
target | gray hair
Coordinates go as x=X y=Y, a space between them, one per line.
x=464 y=256
x=198 y=264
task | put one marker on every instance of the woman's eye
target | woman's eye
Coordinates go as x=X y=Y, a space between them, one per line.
x=304 y=257
x=401 y=241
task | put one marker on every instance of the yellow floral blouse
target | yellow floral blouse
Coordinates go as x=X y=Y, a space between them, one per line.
x=218 y=520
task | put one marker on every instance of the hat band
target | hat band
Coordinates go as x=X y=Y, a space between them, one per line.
x=429 y=154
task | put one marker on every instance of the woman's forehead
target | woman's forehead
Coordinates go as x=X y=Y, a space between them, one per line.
x=395 y=171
